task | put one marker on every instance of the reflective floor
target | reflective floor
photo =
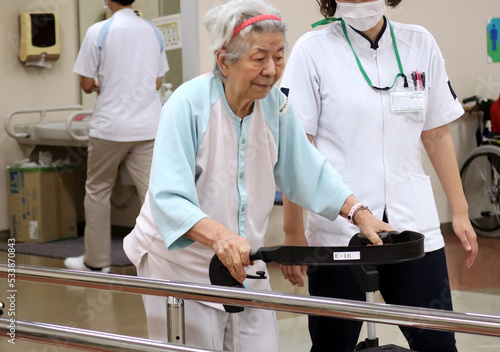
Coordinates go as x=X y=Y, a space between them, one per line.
x=474 y=291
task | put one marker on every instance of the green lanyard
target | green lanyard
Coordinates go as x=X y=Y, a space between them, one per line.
x=344 y=29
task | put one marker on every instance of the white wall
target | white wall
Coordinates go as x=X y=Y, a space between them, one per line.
x=458 y=25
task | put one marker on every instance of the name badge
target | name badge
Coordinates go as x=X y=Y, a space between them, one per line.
x=407 y=101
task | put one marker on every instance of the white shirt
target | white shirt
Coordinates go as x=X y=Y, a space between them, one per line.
x=209 y=162
x=128 y=107
x=376 y=151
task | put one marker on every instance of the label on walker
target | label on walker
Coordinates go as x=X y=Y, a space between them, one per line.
x=346 y=255
x=407 y=101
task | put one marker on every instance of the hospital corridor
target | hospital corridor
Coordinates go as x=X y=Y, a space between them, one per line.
x=160 y=146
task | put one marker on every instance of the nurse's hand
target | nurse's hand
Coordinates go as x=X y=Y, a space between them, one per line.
x=96 y=87
x=464 y=231
x=89 y=85
x=369 y=226
x=232 y=250
x=295 y=273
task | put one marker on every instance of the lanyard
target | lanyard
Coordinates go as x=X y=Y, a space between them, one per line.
x=344 y=29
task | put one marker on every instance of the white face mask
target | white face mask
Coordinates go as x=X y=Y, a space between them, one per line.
x=362 y=16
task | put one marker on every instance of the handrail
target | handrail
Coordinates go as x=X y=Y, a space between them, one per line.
x=42 y=111
x=424 y=318
x=70 y=337
x=69 y=122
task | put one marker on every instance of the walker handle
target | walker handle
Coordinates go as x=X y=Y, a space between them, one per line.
x=386 y=238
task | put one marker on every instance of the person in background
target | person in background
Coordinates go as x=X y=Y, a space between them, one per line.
x=126 y=54
x=368 y=91
x=224 y=141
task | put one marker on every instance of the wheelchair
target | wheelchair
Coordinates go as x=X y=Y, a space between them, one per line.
x=480 y=173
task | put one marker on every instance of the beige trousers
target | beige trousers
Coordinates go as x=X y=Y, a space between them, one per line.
x=104 y=159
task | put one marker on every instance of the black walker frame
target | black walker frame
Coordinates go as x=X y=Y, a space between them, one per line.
x=398 y=247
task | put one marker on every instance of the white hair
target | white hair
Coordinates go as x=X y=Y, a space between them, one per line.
x=221 y=21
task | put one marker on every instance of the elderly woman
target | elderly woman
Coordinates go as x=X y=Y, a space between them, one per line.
x=224 y=141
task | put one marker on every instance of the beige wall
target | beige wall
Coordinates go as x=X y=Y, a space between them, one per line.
x=32 y=87
x=29 y=87
x=459 y=30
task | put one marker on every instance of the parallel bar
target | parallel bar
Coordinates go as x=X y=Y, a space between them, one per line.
x=69 y=337
x=235 y=332
x=364 y=311
x=372 y=335
x=175 y=321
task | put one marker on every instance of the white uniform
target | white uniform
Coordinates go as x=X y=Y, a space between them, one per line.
x=127 y=55
x=376 y=151
x=125 y=110
x=209 y=162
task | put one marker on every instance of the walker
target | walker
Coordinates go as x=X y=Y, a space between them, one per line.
x=397 y=248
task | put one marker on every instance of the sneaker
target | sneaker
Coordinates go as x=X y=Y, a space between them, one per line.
x=77 y=263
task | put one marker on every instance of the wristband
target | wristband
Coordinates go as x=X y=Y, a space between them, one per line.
x=351 y=212
x=354 y=210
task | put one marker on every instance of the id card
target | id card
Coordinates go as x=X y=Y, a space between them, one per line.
x=407 y=101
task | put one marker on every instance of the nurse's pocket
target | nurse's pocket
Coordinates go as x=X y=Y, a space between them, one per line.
x=413 y=117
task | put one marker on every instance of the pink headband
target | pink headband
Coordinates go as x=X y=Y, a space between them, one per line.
x=252 y=21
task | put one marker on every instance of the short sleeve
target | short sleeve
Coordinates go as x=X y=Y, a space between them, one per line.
x=163 y=66
x=442 y=105
x=87 y=62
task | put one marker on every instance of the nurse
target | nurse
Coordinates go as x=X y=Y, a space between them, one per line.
x=368 y=91
x=225 y=140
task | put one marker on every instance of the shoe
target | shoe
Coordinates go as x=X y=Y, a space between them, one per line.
x=77 y=263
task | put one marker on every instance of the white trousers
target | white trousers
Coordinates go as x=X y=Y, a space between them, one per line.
x=208 y=327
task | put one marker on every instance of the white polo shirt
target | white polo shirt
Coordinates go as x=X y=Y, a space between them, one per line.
x=376 y=151
x=128 y=107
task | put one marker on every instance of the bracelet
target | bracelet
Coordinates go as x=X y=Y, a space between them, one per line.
x=354 y=210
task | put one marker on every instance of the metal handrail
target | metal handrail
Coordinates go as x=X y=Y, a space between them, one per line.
x=70 y=337
x=69 y=122
x=424 y=318
x=42 y=111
